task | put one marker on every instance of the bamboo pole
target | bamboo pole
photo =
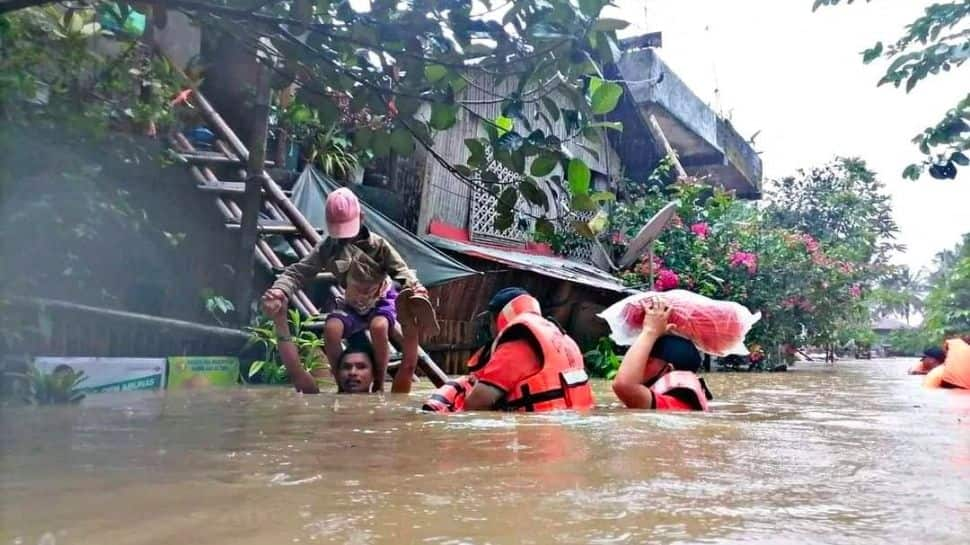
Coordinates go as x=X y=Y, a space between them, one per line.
x=664 y=145
x=230 y=212
x=157 y=321
x=273 y=190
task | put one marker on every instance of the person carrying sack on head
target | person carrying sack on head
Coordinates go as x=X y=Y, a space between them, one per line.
x=659 y=371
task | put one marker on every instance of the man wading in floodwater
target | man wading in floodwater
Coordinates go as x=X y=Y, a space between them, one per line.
x=531 y=365
x=353 y=370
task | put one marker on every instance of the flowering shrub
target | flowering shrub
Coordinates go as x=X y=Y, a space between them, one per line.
x=809 y=287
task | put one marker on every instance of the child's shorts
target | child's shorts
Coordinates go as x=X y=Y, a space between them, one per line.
x=355 y=323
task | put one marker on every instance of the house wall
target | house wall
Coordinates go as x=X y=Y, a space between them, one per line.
x=447 y=199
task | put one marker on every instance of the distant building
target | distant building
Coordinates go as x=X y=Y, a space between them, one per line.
x=884 y=328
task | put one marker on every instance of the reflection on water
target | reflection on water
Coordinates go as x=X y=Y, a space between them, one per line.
x=855 y=454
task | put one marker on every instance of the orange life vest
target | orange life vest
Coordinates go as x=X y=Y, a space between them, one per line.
x=685 y=386
x=475 y=362
x=955 y=371
x=450 y=397
x=562 y=382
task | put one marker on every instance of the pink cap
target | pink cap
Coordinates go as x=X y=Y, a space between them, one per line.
x=343 y=214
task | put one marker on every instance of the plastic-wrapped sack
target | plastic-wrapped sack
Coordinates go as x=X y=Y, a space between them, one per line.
x=716 y=327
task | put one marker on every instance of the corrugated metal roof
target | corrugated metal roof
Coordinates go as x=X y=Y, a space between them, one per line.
x=553 y=267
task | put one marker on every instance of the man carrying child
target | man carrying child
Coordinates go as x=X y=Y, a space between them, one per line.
x=364 y=264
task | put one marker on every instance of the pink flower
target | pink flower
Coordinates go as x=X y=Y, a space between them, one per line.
x=666 y=280
x=845 y=267
x=821 y=259
x=810 y=243
x=747 y=260
x=701 y=230
x=855 y=290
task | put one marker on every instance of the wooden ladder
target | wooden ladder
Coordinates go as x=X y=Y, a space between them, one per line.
x=284 y=217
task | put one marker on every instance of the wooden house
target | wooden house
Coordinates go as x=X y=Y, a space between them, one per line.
x=458 y=217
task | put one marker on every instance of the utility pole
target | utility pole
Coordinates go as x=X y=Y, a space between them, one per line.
x=252 y=199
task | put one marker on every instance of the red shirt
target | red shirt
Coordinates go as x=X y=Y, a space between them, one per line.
x=511 y=363
x=664 y=402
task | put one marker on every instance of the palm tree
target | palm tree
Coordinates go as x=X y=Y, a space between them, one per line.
x=900 y=294
x=905 y=290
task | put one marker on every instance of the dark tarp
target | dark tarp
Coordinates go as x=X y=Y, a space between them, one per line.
x=433 y=267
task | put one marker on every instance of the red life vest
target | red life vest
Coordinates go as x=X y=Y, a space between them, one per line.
x=685 y=386
x=562 y=382
x=450 y=397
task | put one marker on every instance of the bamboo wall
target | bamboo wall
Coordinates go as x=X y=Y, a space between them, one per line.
x=458 y=302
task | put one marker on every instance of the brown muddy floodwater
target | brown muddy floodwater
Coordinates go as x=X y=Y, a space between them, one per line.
x=856 y=454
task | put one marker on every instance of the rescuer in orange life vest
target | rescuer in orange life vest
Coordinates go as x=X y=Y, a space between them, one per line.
x=526 y=364
x=659 y=370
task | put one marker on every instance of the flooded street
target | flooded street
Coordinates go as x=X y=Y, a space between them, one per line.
x=858 y=454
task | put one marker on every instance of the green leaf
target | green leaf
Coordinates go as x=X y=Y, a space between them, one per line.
x=545 y=227
x=532 y=193
x=515 y=160
x=443 y=116
x=255 y=367
x=510 y=141
x=594 y=85
x=435 y=72
x=911 y=83
x=606 y=97
x=582 y=203
x=401 y=142
x=579 y=176
x=503 y=221
x=506 y=201
x=606 y=24
x=407 y=106
x=872 y=53
x=544 y=164
x=960 y=159
x=601 y=197
x=551 y=107
x=476 y=150
x=504 y=124
x=591 y=8
x=457 y=84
